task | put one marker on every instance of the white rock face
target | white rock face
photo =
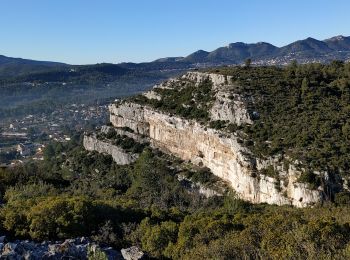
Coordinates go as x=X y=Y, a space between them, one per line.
x=132 y=253
x=120 y=156
x=223 y=155
x=230 y=108
x=152 y=95
x=220 y=152
x=129 y=115
x=216 y=79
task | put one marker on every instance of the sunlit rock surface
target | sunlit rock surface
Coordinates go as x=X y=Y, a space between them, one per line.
x=221 y=152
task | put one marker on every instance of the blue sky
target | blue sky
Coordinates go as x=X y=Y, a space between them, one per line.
x=91 y=31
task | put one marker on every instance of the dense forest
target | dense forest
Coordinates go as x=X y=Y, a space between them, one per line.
x=144 y=204
x=304 y=113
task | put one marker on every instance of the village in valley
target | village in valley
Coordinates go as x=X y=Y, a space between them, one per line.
x=23 y=138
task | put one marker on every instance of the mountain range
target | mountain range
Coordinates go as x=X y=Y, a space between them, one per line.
x=261 y=53
x=24 y=81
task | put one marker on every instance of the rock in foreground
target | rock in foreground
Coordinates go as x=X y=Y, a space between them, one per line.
x=79 y=248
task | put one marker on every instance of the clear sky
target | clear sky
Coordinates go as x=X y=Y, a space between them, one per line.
x=91 y=31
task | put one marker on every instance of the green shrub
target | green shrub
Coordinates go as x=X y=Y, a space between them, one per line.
x=310 y=178
x=68 y=217
x=218 y=124
x=94 y=252
x=270 y=171
x=156 y=238
x=342 y=198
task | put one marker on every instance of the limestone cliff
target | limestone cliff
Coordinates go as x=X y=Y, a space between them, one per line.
x=222 y=152
x=120 y=156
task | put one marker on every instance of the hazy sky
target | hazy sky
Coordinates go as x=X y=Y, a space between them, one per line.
x=91 y=31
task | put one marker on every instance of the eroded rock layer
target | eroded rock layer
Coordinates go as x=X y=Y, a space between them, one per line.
x=120 y=156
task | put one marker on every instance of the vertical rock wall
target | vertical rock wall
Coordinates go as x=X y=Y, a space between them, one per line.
x=222 y=154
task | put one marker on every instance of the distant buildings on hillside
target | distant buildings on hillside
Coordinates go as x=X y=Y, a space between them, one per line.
x=25 y=149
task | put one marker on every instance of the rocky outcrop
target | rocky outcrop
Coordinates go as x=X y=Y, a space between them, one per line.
x=79 y=248
x=227 y=106
x=216 y=79
x=129 y=115
x=221 y=152
x=230 y=107
x=152 y=95
x=194 y=187
x=119 y=155
x=133 y=253
x=122 y=132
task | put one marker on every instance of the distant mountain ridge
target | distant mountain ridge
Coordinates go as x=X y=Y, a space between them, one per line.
x=10 y=60
x=304 y=51
x=17 y=66
x=261 y=53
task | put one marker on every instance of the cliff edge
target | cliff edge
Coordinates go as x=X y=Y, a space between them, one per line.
x=204 y=101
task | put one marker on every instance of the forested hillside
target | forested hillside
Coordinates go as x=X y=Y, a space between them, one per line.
x=144 y=204
x=302 y=112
